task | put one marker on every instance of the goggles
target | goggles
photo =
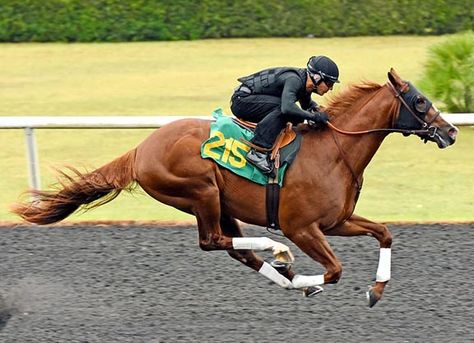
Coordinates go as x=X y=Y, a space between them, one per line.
x=327 y=79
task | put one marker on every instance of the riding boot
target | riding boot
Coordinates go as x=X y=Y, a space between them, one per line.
x=260 y=160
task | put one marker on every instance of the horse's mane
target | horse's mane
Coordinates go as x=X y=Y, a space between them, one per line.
x=354 y=93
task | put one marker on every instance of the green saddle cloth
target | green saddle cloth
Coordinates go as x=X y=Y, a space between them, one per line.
x=226 y=147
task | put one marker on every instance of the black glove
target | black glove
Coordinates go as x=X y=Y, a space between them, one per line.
x=314 y=106
x=319 y=117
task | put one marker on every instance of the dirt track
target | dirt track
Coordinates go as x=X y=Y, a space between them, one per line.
x=139 y=284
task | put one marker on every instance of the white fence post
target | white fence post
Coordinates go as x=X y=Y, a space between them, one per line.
x=32 y=153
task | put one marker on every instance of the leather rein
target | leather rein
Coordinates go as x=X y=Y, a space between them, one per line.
x=427 y=129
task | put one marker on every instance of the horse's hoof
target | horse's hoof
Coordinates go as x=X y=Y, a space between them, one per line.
x=284 y=256
x=280 y=266
x=311 y=291
x=372 y=297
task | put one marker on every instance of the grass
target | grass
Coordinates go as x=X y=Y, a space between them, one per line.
x=406 y=180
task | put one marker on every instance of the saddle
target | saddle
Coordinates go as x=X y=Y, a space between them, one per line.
x=286 y=136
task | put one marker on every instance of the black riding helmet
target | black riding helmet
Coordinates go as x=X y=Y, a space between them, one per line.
x=324 y=67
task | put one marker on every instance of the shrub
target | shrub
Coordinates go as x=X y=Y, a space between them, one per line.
x=144 y=20
x=449 y=73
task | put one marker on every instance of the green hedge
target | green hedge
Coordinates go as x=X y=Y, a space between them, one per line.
x=144 y=20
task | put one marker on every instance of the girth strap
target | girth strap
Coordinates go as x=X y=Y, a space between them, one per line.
x=273 y=188
x=272 y=196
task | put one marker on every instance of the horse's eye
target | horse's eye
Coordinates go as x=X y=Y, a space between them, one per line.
x=420 y=104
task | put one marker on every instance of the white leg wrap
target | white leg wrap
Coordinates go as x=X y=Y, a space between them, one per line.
x=258 y=243
x=301 y=281
x=383 y=270
x=270 y=273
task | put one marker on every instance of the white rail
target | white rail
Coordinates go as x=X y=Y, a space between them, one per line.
x=90 y=122
x=29 y=123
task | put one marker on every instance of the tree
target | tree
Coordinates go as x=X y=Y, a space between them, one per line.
x=449 y=73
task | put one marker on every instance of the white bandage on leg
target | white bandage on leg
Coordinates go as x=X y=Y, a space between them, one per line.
x=270 y=273
x=253 y=243
x=383 y=270
x=301 y=281
x=258 y=243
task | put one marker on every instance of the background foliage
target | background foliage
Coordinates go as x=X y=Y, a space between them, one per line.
x=449 y=73
x=149 y=20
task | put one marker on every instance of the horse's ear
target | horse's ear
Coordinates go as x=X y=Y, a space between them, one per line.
x=394 y=78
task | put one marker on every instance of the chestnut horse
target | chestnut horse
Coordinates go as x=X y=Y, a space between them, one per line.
x=317 y=198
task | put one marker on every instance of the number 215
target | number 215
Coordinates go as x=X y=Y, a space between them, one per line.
x=231 y=153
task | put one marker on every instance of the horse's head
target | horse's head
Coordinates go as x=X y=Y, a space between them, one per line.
x=418 y=114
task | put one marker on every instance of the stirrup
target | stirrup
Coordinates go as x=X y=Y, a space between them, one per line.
x=264 y=164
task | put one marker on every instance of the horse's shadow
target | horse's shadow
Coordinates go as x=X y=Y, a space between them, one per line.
x=5 y=313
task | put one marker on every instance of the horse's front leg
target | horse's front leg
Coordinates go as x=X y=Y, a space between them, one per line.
x=311 y=240
x=356 y=226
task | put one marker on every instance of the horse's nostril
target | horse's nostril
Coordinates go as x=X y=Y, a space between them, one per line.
x=453 y=132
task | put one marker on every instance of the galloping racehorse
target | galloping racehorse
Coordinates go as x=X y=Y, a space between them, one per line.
x=317 y=198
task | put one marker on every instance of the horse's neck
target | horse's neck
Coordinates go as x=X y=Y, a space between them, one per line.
x=374 y=114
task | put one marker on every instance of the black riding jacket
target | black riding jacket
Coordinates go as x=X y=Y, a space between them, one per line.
x=287 y=83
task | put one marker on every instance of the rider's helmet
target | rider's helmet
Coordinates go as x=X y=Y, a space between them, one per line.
x=324 y=67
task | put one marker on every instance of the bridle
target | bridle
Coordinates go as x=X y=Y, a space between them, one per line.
x=426 y=127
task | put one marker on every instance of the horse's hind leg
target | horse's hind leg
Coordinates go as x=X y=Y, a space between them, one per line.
x=231 y=228
x=356 y=226
x=207 y=210
x=211 y=236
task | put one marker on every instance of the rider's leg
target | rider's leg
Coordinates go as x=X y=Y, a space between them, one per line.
x=268 y=128
x=266 y=111
x=254 y=107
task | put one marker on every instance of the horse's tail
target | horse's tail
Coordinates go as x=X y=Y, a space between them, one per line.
x=79 y=190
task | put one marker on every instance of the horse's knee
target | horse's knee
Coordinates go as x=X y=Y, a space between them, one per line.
x=333 y=274
x=385 y=238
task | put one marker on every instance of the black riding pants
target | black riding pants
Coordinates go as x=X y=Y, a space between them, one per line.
x=265 y=110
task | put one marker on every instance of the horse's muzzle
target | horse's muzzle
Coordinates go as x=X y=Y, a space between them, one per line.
x=445 y=136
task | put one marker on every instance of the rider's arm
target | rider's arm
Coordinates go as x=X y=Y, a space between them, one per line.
x=289 y=98
x=307 y=103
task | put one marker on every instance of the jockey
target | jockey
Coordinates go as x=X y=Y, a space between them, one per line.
x=269 y=98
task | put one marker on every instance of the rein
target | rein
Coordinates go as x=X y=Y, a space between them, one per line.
x=346 y=162
x=362 y=132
